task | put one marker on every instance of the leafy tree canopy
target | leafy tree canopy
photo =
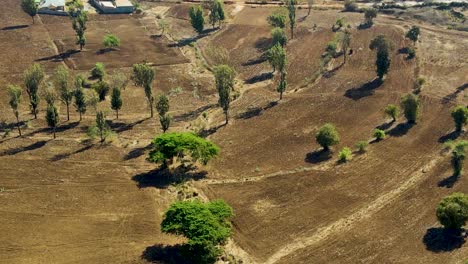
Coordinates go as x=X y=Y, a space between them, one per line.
x=452 y=211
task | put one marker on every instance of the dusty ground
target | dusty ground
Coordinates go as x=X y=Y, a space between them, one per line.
x=73 y=201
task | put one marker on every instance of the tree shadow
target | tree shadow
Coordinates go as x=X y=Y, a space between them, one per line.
x=67 y=155
x=210 y=131
x=454 y=95
x=400 y=130
x=59 y=57
x=256 y=61
x=105 y=50
x=443 y=240
x=35 y=145
x=120 y=127
x=15 y=27
x=192 y=114
x=168 y=254
x=331 y=73
x=363 y=26
x=262 y=44
x=259 y=78
x=256 y=111
x=187 y=41
x=137 y=152
x=365 y=90
x=450 y=136
x=318 y=156
x=385 y=125
x=449 y=182
x=163 y=178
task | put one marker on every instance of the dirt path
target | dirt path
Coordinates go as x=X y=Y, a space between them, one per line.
x=344 y=224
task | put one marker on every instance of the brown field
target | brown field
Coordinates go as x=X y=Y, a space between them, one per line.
x=73 y=200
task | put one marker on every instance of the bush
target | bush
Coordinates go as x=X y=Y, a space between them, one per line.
x=98 y=71
x=460 y=117
x=452 y=211
x=331 y=48
x=410 y=104
x=327 y=136
x=392 y=111
x=350 y=6
x=379 y=134
x=102 y=89
x=345 y=155
x=111 y=41
x=411 y=53
x=278 y=36
x=362 y=146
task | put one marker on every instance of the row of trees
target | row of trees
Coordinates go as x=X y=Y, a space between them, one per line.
x=216 y=15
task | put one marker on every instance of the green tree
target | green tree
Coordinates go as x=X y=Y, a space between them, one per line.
x=52 y=117
x=224 y=76
x=116 y=101
x=204 y=225
x=80 y=101
x=382 y=46
x=276 y=56
x=361 y=146
x=216 y=12
x=99 y=71
x=345 y=40
x=283 y=84
x=79 y=20
x=277 y=19
x=15 y=94
x=392 y=111
x=168 y=146
x=350 y=6
x=379 y=134
x=413 y=34
x=369 y=15
x=196 y=18
x=165 y=121
x=381 y=42
x=30 y=7
x=119 y=80
x=452 y=211
x=50 y=95
x=74 y=7
x=331 y=48
x=162 y=106
x=62 y=81
x=111 y=41
x=291 y=6
x=278 y=36
x=327 y=136
x=458 y=156
x=410 y=105
x=101 y=127
x=460 y=117
x=143 y=76
x=102 y=89
x=345 y=154
x=33 y=78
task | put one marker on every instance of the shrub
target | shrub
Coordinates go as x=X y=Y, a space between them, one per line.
x=458 y=156
x=460 y=117
x=98 y=71
x=345 y=154
x=111 y=41
x=327 y=136
x=102 y=89
x=410 y=104
x=392 y=111
x=331 y=48
x=277 y=20
x=278 y=36
x=362 y=146
x=411 y=53
x=452 y=211
x=350 y=6
x=379 y=134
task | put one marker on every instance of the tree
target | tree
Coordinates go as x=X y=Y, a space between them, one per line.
x=52 y=117
x=380 y=42
x=369 y=15
x=50 y=95
x=79 y=20
x=413 y=34
x=310 y=3
x=101 y=127
x=74 y=7
x=30 y=7
x=196 y=18
x=162 y=106
x=282 y=85
x=361 y=146
x=345 y=40
x=392 y=111
x=350 y=6
x=15 y=93
x=116 y=101
x=327 y=136
x=111 y=41
x=80 y=101
x=204 y=225
x=382 y=46
x=458 y=156
x=168 y=146
x=460 y=117
x=62 y=81
x=291 y=6
x=277 y=19
x=452 y=211
x=119 y=80
x=33 y=78
x=278 y=36
x=410 y=105
x=102 y=89
x=143 y=76
x=99 y=71
x=276 y=56
x=224 y=76
x=216 y=12
x=345 y=154
x=379 y=134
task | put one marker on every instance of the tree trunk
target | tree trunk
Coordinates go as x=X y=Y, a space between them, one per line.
x=32 y=17
x=344 y=55
x=281 y=95
x=308 y=13
x=152 y=111
x=227 y=117
x=68 y=112
x=35 y=113
x=80 y=116
x=54 y=132
x=18 y=125
x=117 y=113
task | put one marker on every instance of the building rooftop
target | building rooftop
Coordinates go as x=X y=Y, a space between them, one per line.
x=123 y=3
x=51 y=3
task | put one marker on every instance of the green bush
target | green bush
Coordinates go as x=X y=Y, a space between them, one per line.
x=331 y=48
x=98 y=71
x=279 y=36
x=327 y=136
x=345 y=154
x=452 y=211
x=460 y=117
x=379 y=134
x=102 y=89
x=411 y=52
x=362 y=146
x=111 y=41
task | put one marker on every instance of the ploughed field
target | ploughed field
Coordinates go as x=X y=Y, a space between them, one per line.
x=69 y=200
